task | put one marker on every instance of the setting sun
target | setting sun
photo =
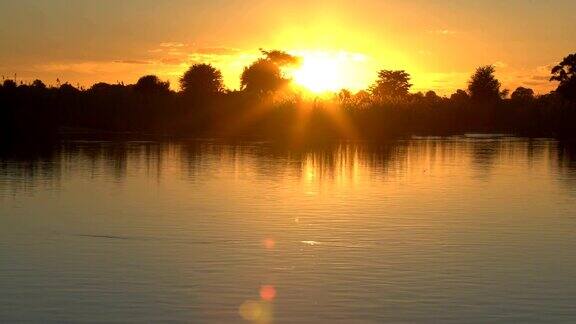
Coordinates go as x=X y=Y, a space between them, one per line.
x=323 y=71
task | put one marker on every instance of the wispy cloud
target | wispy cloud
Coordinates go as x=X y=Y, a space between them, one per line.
x=173 y=60
x=218 y=51
x=172 y=45
x=537 y=78
x=444 y=83
x=535 y=83
x=133 y=62
x=544 y=69
x=442 y=32
x=87 y=67
x=540 y=76
x=176 y=53
x=500 y=64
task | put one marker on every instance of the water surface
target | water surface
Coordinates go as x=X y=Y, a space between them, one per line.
x=451 y=230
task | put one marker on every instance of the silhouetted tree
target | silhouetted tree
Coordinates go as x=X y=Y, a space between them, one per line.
x=151 y=84
x=102 y=87
x=522 y=94
x=432 y=96
x=202 y=80
x=9 y=84
x=261 y=77
x=344 y=95
x=281 y=58
x=460 y=96
x=362 y=98
x=265 y=75
x=38 y=84
x=36 y=111
x=565 y=73
x=391 y=85
x=67 y=87
x=483 y=86
x=417 y=97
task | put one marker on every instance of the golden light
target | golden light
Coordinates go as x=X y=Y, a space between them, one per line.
x=319 y=74
x=324 y=71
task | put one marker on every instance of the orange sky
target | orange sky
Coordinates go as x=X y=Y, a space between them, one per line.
x=439 y=42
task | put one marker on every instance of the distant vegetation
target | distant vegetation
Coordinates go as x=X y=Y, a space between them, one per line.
x=266 y=107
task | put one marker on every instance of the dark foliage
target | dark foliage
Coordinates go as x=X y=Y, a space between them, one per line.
x=392 y=85
x=202 y=80
x=522 y=94
x=203 y=108
x=265 y=75
x=565 y=73
x=484 y=87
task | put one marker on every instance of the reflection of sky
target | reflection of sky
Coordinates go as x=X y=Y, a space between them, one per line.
x=216 y=232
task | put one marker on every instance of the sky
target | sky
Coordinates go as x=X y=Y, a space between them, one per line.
x=440 y=43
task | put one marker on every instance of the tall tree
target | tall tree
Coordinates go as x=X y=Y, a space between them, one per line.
x=483 y=86
x=391 y=85
x=265 y=75
x=202 y=80
x=565 y=73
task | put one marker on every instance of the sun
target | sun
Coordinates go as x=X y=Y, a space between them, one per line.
x=319 y=73
x=322 y=72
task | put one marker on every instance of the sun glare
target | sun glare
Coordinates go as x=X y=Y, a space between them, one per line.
x=321 y=72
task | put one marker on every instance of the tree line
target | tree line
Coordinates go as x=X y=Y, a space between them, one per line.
x=267 y=107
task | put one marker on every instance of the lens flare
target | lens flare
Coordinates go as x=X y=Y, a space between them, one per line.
x=250 y=310
x=268 y=293
x=269 y=243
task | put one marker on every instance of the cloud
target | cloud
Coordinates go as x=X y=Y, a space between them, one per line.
x=172 y=45
x=218 y=51
x=541 y=75
x=133 y=62
x=173 y=60
x=535 y=77
x=176 y=53
x=535 y=83
x=443 y=83
x=88 y=67
x=443 y=32
x=545 y=69
x=206 y=58
x=500 y=64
